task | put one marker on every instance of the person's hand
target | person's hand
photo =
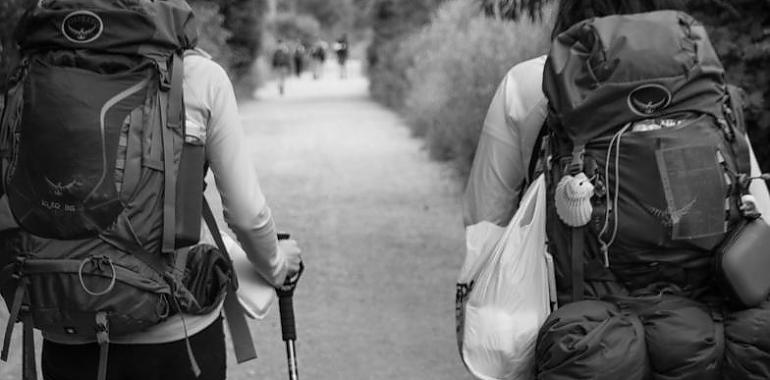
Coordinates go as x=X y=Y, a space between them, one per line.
x=290 y=250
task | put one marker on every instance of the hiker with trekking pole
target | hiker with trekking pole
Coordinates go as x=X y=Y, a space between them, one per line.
x=102 y=210
x=630 y=149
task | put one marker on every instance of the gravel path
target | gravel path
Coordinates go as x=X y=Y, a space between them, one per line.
x=380 y=227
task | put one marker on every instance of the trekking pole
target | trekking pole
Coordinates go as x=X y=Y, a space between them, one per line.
x=286 y=308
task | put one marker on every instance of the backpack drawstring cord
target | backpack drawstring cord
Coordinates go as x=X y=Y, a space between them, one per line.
x=98 y=261
x=611 y=207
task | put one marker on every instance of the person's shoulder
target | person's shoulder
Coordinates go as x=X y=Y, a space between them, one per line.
x=199 y=65
x=527 y=69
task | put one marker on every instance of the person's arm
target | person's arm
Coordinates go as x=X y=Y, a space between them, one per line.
x=513 y=120
x=245 y=208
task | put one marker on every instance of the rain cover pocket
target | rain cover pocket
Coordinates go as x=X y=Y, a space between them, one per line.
x=695 y=190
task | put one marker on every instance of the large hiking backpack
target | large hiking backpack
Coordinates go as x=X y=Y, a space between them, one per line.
x=97 y=171
x=647 y=155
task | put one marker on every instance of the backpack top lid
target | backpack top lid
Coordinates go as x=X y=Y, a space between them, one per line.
x=605 y=72
x=152 y=28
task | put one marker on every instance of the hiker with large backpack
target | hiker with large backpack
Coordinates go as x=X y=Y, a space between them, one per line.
x=651 y=182
x=106 y=136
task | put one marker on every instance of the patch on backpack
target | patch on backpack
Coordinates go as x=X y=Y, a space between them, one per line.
x=670 y=218
x=82 y=27
x=649 y=99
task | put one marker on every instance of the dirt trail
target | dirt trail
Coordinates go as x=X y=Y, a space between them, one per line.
x=380 y=227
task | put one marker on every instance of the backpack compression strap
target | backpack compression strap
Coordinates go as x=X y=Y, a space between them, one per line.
x=235 y=316
x=29 y=370
x=172 y=115
x=576 y=254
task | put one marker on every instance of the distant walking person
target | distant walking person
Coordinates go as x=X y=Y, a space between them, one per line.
x=281 y=64
x=341 y=49
x=318 y=58
x=299 y=59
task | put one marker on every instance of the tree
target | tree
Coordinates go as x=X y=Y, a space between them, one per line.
x=289 y=26
x=244 y=19
x=392 y=21
x=740 y=32
x=10 y=12
x=333 y=15
x=212 y=36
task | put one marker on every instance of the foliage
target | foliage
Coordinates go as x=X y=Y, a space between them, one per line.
x=392 y=21
x=244 y=19
x=212 y=36
x=10 y=12
x=334 y=16
x=293 y=27
x=513 y=9
x=459 y=61
x=740 y=32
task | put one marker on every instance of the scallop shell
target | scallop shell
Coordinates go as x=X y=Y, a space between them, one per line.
x=573 y=200
x=749 y=200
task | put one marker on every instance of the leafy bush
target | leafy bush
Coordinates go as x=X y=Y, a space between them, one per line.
x=740 y=32
x=458 y=62
x=392 y=21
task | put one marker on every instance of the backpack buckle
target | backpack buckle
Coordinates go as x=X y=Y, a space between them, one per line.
x=576 y=163
x=164 y=78
x=726 y=129
x=18 y=268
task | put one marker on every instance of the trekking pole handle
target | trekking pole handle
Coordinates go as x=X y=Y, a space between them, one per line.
x=288 y=326
x=286 y=301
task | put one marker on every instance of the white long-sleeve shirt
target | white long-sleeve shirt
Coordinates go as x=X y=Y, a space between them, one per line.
x=213 y=119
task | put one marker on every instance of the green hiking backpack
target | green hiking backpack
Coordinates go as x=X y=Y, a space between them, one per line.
x=97 y=171
x=647 y=157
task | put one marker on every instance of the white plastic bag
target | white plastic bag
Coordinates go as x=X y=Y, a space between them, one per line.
x=255 y=294
x=508 y=298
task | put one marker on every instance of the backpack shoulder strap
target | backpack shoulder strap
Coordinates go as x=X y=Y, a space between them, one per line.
x=235 y=316
x=172 y=127
x=539 y=154
x=737 y=122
